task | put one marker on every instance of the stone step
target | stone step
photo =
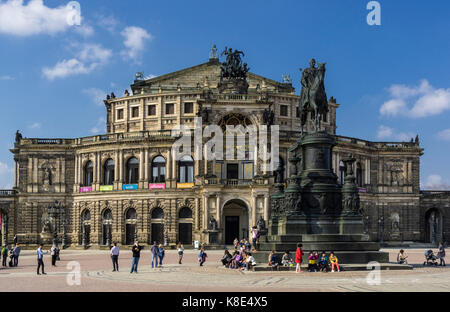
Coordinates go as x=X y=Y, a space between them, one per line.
x=320 y=246
x=343 y=267
x=345 y=257
x=305 y=238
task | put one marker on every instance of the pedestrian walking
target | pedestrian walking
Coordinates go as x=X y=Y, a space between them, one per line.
x=441 y=254
x=180 y=249
x=154 y=250
x=136 y=255
x=16 y=255
x=4 y=255
x=202 y=256
x=161 y=253
x=40 y=259
x=15 y=239
x=115 y=257
x=54 y=253
x=298 y=258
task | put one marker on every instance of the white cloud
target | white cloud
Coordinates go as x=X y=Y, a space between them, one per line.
x=84 y=30
x=35 y=125
x=135 y=38
x=6 y=176
x=416 y=101
x=444 y=134
x=100 y=126
x=435 y=182
x=389 y=134
x=33 y=18
x=107 y=22
x=89 y=57
x=6 y=77
x=97 y=96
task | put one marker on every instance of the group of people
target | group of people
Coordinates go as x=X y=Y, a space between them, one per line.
x=13 y=255
x=157 y=252
x=241 y=259
x=323 y=263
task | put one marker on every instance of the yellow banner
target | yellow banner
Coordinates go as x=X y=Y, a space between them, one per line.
x=185 y=185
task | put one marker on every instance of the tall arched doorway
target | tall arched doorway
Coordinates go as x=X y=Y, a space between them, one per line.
x=433 y=226
x=86 y=227
x=157 y=225
x=130 y=226
x=185 y=226
x=235 y=220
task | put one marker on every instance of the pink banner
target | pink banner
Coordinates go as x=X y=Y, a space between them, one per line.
x=85 y=189
x=153 y=186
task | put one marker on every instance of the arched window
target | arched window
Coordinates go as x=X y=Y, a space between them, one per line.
x=108 y=170
x=86 y=215
x=132 y=173
x=185 y=213
x=131 y=214
x=88 y=173
x=341 y=171
x=157 y=213
x=107 y=215
x=158 y=169
x=359 y=180
x=186 y=169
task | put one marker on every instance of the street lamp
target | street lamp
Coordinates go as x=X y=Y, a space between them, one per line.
x=54 y=210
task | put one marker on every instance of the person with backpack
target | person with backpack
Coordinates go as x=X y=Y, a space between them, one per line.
x=4 y=255
x=202 y=256
x=161 y=254
x=154 y=250
x=54 y=253
x=16 y=255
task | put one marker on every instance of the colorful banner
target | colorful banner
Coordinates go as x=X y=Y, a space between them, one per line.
x=106 y=188
x=153 y=186
x=185 y=185
x=85 y=189
x=127 y=187
x=363 y=190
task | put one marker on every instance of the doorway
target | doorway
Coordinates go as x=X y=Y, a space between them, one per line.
x=231 y=229
x=130 y=231
x=158 y=233
x=185 y=233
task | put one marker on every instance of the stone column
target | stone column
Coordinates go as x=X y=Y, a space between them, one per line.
x=16 y=176
x=146 y=168
x=174 y=169
x=219 y=224
x=141 y=169
x=253 y=209
x=205 y=211
x=266 y=208
x=116 y=169
x=169 y=169
x=120 y=169
x=197 y=214
x=94 y=171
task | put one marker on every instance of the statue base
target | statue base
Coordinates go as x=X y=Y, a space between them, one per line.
x=233 y=86
x=46 y=238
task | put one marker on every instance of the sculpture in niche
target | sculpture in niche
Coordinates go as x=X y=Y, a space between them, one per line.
x=212 y=223
x=395 y=222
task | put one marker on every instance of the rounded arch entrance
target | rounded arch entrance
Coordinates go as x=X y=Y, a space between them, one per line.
x=433 y=226
x=235 y=219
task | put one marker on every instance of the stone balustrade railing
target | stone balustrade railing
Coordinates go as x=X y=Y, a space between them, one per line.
x=7 y=192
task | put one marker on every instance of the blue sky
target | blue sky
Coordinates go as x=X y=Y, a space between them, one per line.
x=391 y=80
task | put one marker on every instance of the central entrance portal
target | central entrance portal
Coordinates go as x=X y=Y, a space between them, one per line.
x=235 y=220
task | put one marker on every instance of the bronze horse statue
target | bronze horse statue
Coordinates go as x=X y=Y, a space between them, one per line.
x=313 y=97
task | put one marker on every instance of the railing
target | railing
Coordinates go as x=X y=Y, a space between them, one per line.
x=376 y=144
x=435 y=193
x=7 y=192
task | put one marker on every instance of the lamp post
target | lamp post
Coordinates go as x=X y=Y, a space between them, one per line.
x=5 y=234
x=64 y=223
x=54 y=210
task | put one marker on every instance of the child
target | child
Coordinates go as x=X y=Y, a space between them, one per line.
x=323 y=263
x=401 y=257
x=334 y=262
x=237 y=261
x=202 y=256
x=273 y=260
x=298 y=258
x=287 y=260
x=236 y=243
x=312 y=262
x=316 y=265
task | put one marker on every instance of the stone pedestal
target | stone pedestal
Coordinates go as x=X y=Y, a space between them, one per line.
x=316 y=211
